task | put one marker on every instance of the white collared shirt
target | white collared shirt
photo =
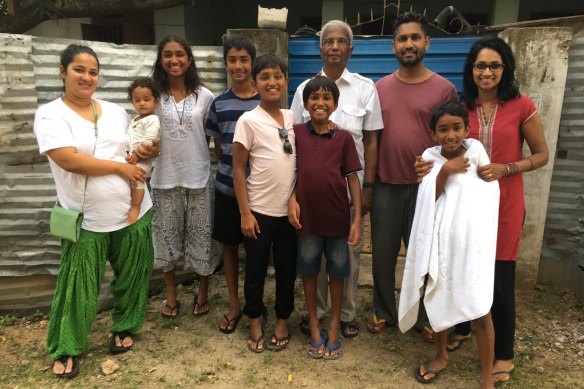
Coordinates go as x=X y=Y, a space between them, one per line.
x=358 y=109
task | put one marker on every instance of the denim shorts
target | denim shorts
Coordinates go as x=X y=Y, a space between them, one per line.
x=310 y=251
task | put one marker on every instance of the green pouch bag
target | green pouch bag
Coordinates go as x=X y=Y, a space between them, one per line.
x=66 y=224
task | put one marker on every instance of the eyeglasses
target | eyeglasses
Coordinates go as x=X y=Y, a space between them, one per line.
x=481 y=66
x=287 y=145
x=342 y=43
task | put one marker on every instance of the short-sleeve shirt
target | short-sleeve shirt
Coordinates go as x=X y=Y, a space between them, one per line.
x=184 y=153
x=107 y=198
x=406 y=110
x=141 y=130
x=223 y=114
x=358 y=108
x=324 y=161
x=272 y=170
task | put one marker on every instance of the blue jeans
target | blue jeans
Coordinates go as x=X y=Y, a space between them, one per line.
x=310 y=250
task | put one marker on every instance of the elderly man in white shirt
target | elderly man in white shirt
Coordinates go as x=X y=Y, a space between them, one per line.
x=360 y=114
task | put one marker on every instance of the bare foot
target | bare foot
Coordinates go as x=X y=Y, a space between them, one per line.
x=133 y=215
x=502 y=370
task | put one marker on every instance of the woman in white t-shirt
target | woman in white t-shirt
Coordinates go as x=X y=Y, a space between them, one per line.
x=84 y=140
x=182 y=186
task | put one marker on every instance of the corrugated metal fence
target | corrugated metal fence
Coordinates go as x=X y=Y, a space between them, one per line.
x=562 y=259
x=29 y=77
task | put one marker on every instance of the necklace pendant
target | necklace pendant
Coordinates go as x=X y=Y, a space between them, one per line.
x=181 y=127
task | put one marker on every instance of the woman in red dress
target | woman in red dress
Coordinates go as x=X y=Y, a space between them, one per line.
x=502 y=119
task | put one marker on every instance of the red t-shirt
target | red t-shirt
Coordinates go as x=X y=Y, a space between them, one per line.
x=406 y=110
x=323 y=162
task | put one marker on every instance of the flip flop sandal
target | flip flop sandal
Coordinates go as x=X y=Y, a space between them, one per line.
x=502 y=372
x=172 y=310
x=456 y=342
x=315 y=354
x=428 y=335
x=375 y=325
x=420 y=376
x=115 y=349
x=74 y=368
x=198 y=306
x=256 y=343
x=276 y=346
x=335 y=347
x=349 y=325
x=235 y=322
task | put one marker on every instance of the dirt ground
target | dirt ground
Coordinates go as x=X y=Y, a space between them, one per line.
x=189 y=351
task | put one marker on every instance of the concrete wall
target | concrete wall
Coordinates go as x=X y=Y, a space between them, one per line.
x=542 y=63
x=169 y=22
x=62 y=28
x=562 y=257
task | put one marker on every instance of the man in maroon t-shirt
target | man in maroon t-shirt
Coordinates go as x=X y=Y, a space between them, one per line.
x=407 y=98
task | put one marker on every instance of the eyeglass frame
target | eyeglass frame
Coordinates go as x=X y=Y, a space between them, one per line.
x=283 y=133
x=341 y=42
x=499 y=65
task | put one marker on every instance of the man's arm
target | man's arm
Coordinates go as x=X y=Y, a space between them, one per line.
x=370 y=154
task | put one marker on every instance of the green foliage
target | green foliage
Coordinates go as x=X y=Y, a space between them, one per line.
x=3 y=8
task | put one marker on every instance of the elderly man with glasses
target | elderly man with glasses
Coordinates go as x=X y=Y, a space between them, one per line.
x=359 y=113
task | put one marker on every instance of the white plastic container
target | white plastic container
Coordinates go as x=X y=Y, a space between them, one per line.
x=272 y=18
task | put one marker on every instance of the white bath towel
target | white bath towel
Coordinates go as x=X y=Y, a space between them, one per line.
x=453 y=241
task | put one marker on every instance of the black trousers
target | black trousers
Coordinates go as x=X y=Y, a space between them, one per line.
x=502 y=311
x=279 y=236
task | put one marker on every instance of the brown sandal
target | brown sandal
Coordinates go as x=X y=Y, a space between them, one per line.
x=455 y=341
x=428 y=334
x=375 y=325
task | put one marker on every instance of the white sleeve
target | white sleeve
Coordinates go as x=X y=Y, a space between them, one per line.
x=151 y=128
x=372 y=120
x=243 y=133
x=297 y=106
x=52 y=131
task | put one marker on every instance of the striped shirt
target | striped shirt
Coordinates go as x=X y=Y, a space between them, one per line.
x=223 y=115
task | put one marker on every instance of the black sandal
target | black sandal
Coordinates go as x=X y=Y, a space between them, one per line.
x=198 y=306
x=235 y=322
x=172 y=310
x=346 y=326
x=115 y=349
x=305 y=325
x=74 y=368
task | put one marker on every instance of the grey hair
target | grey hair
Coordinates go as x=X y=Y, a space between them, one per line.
x=336 y=23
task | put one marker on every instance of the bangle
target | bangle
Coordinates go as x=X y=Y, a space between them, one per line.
x=531 y=162
x=367 y=184
x=508 y=171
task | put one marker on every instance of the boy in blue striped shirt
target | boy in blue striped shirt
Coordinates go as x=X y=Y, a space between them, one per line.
x=238 y=54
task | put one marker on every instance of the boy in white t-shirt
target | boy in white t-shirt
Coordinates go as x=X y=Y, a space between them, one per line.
x=144 y=128
x=264 y=137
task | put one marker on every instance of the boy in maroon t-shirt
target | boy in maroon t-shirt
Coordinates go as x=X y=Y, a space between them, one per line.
x=319 y=207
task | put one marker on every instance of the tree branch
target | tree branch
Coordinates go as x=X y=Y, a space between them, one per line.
x=30 y=13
